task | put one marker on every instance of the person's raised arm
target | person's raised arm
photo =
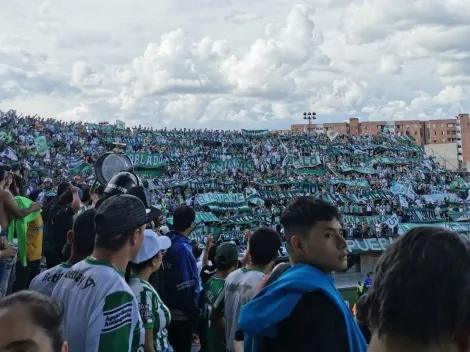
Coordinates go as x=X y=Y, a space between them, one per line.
x=209 y=244
x=12 y=208
x=76 y=203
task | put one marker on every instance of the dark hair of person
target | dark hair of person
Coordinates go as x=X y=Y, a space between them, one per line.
x=61 y=188
x=303 y=213
x=264 y=246
x=137 y=268
x=112 y=242
x=2 y=173
x=44 y=312
x=183 y=217
x=84 y=233
x=100 y=190
x=212 y=252
x=86 y=194
x=34 y=194
x=196 y=250
x=421 y=287
x=15 y=167
x=65 y=198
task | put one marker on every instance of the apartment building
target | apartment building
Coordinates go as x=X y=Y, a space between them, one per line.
x=455 y=130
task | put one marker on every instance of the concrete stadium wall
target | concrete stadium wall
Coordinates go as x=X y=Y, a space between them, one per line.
x=445 y=153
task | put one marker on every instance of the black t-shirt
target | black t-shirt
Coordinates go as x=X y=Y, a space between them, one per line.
x=315 y=324
x=207 y=271
x=19 y=181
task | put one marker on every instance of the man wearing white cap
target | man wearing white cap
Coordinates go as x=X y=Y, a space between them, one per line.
x=155 y=315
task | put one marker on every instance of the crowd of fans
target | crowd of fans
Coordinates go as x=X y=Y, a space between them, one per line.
x=156 y=262
x=357 y=173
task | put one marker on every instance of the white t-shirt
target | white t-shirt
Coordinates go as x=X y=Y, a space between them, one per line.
x=47 y=280
x=240 y=287
x=100 y=310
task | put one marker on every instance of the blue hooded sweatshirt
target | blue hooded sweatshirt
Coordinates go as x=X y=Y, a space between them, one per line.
x=181 y=283
x=260 y=316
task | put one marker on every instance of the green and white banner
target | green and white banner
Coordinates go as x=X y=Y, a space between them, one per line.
x=307 y=161
x=362 y=246
x=231 y=164
x=460 y=216
x=255 y=132
x=147 y=160
x=220 y=198
x=423 y=215
x=369 y=220
x=369 y=170
x=318 y=172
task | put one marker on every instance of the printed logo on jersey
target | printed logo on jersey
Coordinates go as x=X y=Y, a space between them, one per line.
x=145 y=311
x=116 y=318
x=140 y=349
x=49 y=277
x=81 y=280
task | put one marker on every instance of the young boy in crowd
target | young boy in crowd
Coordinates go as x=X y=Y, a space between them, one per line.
x=242 y=284
x=302 y=309
x=225 y=261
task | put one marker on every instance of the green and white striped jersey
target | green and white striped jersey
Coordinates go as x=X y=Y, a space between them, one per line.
x=101 y=313
x=153 y=312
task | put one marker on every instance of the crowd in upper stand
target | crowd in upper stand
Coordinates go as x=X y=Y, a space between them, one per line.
x=371 y=178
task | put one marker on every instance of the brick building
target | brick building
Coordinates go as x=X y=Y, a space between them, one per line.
x=455 y=130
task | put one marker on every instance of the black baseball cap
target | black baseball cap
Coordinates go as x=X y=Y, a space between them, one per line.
x=121 y=213
x=144 y=195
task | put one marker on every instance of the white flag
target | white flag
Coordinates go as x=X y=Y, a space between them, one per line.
x=9 y=153
x=121 y=125
x=403 y=201
x=392 y=221
x=332 y=134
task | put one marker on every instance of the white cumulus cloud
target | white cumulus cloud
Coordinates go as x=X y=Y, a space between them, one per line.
x=197 y=63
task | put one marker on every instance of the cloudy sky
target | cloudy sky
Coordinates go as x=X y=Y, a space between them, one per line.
x=234 y=63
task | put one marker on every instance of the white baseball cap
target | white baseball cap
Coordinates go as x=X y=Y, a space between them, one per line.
x=151 y=246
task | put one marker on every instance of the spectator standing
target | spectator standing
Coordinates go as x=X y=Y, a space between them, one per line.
x=242 y=284
x=303 y=308
x=60 y=222
x=34 y=239
x=367 y=282
x=181 y=287
x=82 y=241
x=100 y=310
x=19 y=180
x=226 y=261
x=154 y=314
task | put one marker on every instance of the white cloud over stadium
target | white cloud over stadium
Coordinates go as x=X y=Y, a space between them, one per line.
x=234 y=64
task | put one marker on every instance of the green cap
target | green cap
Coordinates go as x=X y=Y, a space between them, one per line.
x=226 y=254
